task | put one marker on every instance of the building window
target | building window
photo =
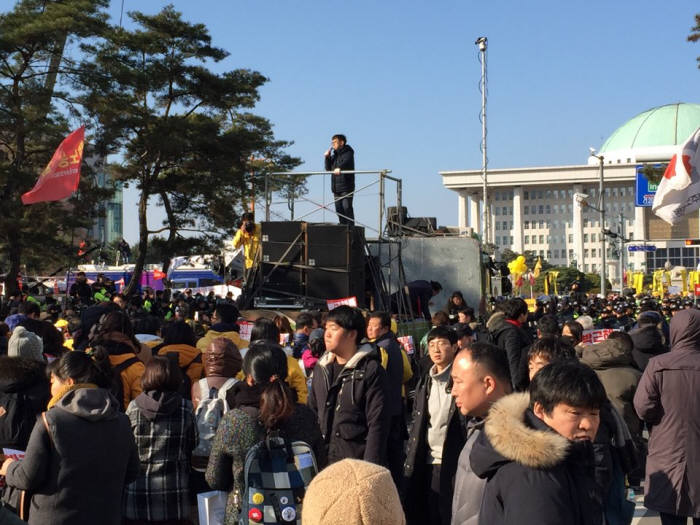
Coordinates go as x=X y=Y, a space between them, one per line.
x=585 y=268
x=548 y=195
x=526 y=210
x=593 y=252
x=585 y=253
x=548 y=209
x=568 y=208
x=539 y=194
x=498 y=225
x=526 y=195
x=571 y=254
x=585 y=223
x=549 y=254
x=607 y=192
x=585 y=237
x=549 y=239
x=510 y=225
x=510 y=239
x=498 y=195
x=526 y=225
x=593 y=237
x=592 y=193
x=571 y=194
x=541 y=239
x=540 y=209
x=527 y=239
x=571 y=238
x=496 y=210
x=505 y=225
x=504 y=210
x=542 y=225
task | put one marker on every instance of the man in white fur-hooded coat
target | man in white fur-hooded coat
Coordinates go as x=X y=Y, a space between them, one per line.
x=536 y=451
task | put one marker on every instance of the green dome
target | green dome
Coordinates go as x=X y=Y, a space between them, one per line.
x=666 y=125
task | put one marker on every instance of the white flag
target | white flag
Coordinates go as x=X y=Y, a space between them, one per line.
x=679 y=190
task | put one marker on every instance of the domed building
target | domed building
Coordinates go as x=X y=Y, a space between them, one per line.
x=544 y=209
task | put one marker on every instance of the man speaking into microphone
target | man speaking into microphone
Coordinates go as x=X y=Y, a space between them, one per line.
x=340 y=159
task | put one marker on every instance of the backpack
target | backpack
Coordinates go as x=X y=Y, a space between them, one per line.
x=276 y=474
x=117 y=387
x=17 y=420
x=208 y=414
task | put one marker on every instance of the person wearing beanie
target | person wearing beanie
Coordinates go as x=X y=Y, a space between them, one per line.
x=352 y=492
x=24 y=343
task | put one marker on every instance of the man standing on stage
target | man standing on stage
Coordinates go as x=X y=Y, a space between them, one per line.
x=341 y=158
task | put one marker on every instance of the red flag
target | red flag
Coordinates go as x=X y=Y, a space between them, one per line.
x=157 y=274
x=61 y=176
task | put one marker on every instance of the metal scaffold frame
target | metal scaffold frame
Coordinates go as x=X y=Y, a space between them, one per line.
x=383 y=252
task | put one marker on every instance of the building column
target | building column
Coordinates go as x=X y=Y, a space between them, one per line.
x=474 y=214
x=518 y=219
x=462 y=211
x=577 y=223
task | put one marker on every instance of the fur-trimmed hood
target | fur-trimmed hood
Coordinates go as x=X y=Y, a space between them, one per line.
x=515 y=434
x=496 y=322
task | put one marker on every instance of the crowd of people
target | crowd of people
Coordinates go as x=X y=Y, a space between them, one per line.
x=126 y=408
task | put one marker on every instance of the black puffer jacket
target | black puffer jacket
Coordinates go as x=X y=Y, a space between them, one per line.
x=23 y=384
x=343 y=159
x=534 y=475
x=352 y=411
x=648 y=341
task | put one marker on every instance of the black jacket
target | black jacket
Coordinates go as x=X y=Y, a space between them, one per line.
x=78 y=472
x=534 y=475
x=514 y=340
x=23 y=383
x=413 y=489
x=394 y=372
x=344 y=159
x=648 y=341
x=352 y=411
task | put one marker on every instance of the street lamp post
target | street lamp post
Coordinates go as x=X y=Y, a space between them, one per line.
x=601 y=209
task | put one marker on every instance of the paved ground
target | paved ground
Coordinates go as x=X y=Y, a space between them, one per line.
x=643 y=516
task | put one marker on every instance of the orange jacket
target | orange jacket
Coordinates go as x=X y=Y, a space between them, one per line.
x=189 y=359
x=131 y=376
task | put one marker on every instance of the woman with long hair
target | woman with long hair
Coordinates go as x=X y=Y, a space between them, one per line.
x=115 y=333
x=81 y=452
x=261 y=404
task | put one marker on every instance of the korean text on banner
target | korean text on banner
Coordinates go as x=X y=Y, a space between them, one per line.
x=61 y=176
x=335 y=303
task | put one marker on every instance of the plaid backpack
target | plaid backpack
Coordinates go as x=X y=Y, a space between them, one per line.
x=277 y=472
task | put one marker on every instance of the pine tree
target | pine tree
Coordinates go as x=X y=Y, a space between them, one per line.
x=181 y=129
x=33 y=121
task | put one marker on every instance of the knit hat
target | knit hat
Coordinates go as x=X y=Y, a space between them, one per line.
x=352 y=492
x=586 y=321
x=13 y=320
x=24 y=343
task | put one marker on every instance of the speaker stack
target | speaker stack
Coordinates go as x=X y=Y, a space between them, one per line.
x=320 y=261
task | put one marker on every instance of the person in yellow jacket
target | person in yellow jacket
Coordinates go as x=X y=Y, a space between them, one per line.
x=179 y=338
x=266 y=330
x=223 y=325
x=248 y=236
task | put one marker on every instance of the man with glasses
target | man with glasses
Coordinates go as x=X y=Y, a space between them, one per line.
x=437 y=436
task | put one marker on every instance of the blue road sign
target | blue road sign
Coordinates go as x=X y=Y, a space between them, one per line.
x=644 y=190
x=641 y=248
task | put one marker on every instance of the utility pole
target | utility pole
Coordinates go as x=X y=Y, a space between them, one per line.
x=601 y=209
x=482 y=43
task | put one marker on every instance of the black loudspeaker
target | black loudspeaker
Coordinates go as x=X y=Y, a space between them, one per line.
x=328 y=284
x=282 y=279
x=335 y=246
x=283 y=242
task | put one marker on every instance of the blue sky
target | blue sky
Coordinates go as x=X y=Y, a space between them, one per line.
x=400 y=79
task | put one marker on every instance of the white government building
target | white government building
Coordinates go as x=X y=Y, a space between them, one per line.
x=536 y=208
